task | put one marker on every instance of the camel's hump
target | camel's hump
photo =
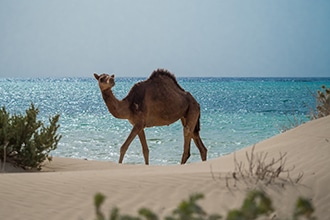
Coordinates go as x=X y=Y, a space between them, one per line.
x=162 y=72
x=158 y=73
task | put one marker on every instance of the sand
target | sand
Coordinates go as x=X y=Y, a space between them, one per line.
x=65 y=188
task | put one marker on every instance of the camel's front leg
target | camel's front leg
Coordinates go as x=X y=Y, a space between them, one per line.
x=145 y=148
x=128 y=141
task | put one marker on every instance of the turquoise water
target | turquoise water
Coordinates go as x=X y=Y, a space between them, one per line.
x=235 y=113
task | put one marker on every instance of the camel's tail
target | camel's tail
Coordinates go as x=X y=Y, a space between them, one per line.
x=198 y=126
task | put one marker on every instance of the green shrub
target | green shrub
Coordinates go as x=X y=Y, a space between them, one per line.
x=189 y=209
x=186 y=210
x=26 y=141
x=255 y=205
x=303 y=208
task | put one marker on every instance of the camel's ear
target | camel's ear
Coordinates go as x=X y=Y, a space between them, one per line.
x=96 y=76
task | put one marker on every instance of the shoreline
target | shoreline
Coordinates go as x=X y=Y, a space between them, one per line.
x=65 y=187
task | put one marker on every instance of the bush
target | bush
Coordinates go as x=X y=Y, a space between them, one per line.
x=323 y=103
x=25 y=141
x=322 y=109
x=255 y=205
x=186 y=210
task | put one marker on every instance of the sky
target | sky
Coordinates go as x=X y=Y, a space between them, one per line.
x=217 y=38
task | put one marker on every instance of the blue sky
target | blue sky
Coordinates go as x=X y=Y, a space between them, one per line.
x=221 y=38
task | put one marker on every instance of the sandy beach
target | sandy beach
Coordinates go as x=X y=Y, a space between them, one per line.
x=65 y=188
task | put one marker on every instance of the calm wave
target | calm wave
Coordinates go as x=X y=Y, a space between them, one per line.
x=235 y=113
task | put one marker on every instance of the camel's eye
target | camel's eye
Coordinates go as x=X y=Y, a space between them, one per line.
x=102 y=79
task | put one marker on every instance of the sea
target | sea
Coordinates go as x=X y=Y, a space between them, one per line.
x=235 y=113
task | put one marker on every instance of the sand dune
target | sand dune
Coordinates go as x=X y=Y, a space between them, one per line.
x=65 y=188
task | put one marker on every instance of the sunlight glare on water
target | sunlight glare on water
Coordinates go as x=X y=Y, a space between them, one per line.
x=235 y=113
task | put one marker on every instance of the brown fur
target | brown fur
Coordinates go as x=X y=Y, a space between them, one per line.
x=157 y=101
x=137 y=93
x=164 y=73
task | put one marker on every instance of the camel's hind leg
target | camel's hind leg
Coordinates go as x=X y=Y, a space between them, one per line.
x=199 y=144
x=188 y=124
x=198 y=141
x=188 y=135
x=186 y=145
x=191 y=128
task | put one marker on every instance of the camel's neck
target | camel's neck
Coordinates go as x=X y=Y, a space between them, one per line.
x=118 y=108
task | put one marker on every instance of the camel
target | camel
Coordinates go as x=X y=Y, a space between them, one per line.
x=157 y=101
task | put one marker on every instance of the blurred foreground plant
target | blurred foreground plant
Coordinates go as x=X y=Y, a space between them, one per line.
x=255 y=205
x=26 y=141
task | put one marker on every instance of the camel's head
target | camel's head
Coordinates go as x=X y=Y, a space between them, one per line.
x=105 y=81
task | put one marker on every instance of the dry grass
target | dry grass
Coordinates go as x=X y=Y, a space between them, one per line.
x=322 y=103
x=260 y=169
